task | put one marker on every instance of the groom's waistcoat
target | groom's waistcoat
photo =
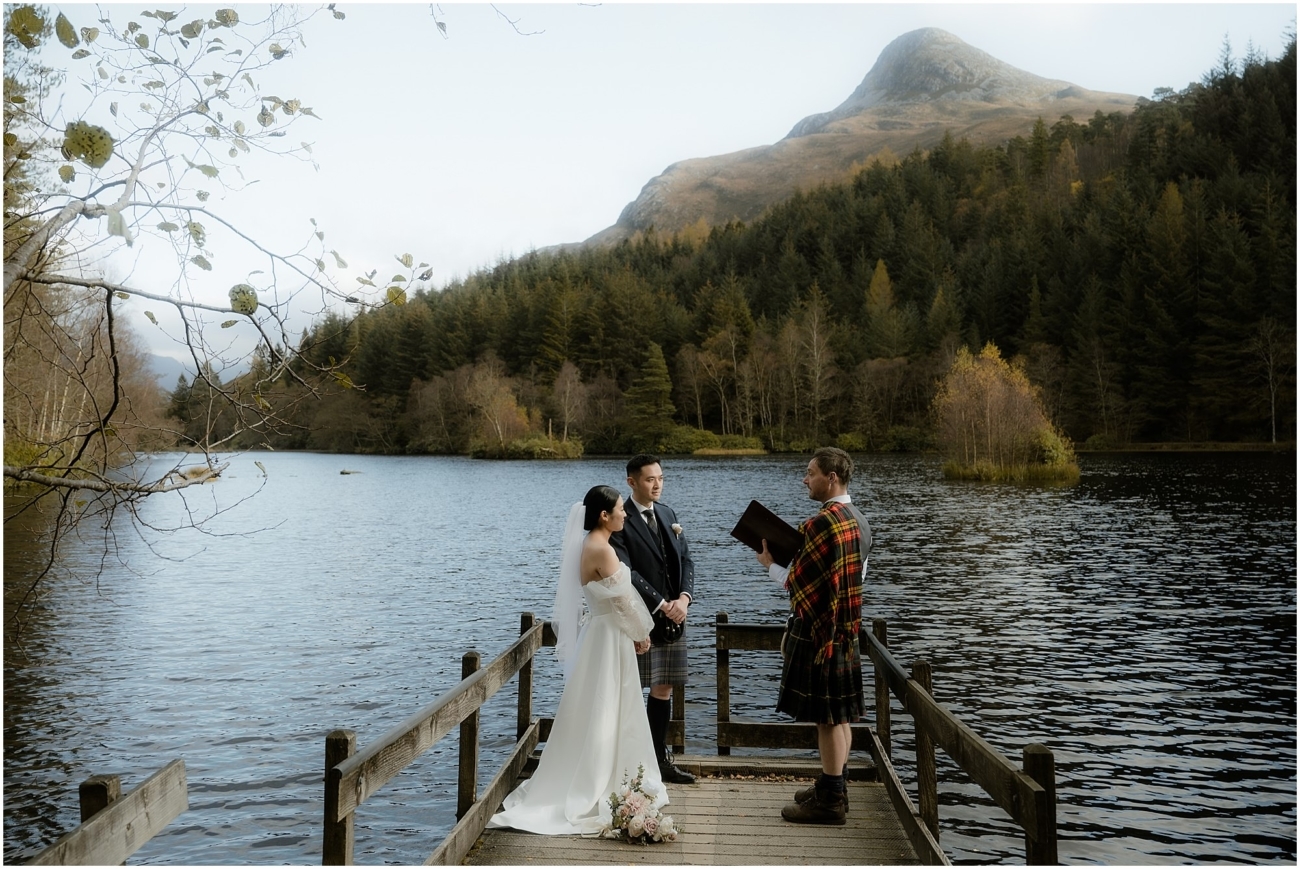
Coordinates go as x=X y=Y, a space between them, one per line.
x=661 y=565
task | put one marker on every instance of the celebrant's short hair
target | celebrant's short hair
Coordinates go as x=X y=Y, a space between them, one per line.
x=833 y=460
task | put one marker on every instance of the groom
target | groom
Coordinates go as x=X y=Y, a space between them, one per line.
x=652 y=545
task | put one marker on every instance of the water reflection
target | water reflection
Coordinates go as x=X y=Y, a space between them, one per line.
x=1141 y=623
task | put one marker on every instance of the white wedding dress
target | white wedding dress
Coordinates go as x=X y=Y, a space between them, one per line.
x=600 y=734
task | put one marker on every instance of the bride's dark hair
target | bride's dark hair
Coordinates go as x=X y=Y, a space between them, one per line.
x=599 y=499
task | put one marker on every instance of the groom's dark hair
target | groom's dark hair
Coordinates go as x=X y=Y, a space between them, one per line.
x=598 y=499
x=639 y=461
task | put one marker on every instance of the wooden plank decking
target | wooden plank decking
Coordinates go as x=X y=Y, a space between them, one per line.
x=731 y=817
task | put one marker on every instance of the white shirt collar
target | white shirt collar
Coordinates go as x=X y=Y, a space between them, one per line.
x=839 y=499
x=640 y=508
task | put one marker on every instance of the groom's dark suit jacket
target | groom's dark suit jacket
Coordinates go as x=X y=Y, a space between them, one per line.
x=656 y=574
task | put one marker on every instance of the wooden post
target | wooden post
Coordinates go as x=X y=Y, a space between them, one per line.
x=927 y=777
x=880 y=631
x=467 y=784
x=724 y=683
x=526 y=623
x=679 y=717
x=336 y=847
x=97 y=792
x=1040 y=844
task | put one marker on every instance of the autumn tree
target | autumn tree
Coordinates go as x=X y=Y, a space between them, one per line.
x=144 y=143
x=991 y=425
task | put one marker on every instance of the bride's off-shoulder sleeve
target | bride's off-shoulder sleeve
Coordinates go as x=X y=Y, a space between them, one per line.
x=633 y=616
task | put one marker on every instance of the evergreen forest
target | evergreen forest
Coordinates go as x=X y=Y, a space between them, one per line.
x=1139 y=269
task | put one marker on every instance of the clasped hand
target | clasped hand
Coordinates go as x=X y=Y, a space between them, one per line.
x=643 y=646
x=675 y=610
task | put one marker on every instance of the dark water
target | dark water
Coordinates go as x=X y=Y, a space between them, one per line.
x=1141 y=624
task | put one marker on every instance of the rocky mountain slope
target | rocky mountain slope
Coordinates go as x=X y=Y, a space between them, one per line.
x=924 y=83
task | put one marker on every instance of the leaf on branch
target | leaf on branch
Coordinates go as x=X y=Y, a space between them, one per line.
x=80 y=53
x=154 y=85
x=396 y=296
x=243 y=299
x=320 y=234
x=208 y=171
x=202 y=262
x=265 y=117
x=26 y=25
x=193 y=29
x=320 y=265
x=366 y=281
x=203 y=194
x=338 y=259
x=142 y=40
x=227 y=17
x=277 y=53
x=167 y=226
x=196 y=232
x=291 y=106
x=112 y=109
x=343 y=380
x=90 y=34
x=122 y=296
x=65 y=31
x=396 y=279
x=132 y=27
x=103 y=74
x=228 y=323
x=260 y=466
x=10 y=140
x=162 y=15
x=117 y=225
x=239 y=128
x=233 y=153
x=152 y=318
x=67 y=174
x=338 y=16
x=424 y=276
x=406 y=259
x=264 y=405
x=92 y=145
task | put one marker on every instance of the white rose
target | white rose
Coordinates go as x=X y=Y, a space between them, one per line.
x=636 y=826
x=677 y=529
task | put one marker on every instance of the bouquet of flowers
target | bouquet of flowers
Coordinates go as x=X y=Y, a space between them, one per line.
x=633 y=815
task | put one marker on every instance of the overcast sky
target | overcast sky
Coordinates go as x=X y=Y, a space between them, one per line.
x=486 y=143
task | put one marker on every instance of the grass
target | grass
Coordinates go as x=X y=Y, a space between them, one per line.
x=987 y=472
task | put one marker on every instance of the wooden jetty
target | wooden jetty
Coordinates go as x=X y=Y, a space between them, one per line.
x=732 y=815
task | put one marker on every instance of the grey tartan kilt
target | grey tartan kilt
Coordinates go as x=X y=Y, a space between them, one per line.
x=664 y=665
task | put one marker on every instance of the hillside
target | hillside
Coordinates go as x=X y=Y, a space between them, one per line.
x=924 y=83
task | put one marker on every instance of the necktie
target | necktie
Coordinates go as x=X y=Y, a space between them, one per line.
x=654 y=530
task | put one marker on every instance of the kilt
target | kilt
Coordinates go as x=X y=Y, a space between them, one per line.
x=664 y=665
x=825 y=693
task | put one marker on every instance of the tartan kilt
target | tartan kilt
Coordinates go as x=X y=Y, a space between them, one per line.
x=664 y=665
x=825 y=693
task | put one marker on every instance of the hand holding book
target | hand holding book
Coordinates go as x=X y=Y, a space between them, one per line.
x=758 y=523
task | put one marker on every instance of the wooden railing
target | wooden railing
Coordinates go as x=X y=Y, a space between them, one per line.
x=352 y=777
x=1028 y=795
x=113 y=827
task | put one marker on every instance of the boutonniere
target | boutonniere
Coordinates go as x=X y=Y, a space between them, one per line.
x=677 y=529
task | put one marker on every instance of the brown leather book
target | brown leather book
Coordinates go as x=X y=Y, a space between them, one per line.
x=758 y=523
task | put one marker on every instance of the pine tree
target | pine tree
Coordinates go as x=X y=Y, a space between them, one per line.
x=648 y=404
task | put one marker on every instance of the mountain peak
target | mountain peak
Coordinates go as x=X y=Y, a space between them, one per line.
x=931 y=64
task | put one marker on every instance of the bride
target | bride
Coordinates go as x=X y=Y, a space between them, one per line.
x=600 y=734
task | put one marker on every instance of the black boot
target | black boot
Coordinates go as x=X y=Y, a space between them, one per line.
x=657 y=713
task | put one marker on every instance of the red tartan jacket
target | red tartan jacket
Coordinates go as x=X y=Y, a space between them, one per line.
x=825 y=579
